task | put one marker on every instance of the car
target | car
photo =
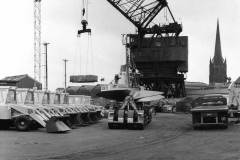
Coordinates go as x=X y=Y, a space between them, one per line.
x=165 y=106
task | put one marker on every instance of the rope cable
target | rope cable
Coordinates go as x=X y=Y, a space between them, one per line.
x=92 y=56
x=87 y=58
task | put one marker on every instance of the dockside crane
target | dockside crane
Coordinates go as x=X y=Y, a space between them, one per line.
x=150 y=60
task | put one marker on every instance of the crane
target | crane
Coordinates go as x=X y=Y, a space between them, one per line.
x=155 y=73
x=156 y=56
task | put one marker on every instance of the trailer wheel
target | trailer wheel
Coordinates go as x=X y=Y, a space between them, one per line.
x=4 y=124
x=34 y=125
x=22 y=123
x=68 y=123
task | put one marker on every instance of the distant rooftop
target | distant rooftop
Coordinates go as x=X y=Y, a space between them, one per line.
x=17 y=78
x=195 y=84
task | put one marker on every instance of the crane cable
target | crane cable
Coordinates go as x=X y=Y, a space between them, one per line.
x=88 y=59
x=166 y=15
x=84 y=15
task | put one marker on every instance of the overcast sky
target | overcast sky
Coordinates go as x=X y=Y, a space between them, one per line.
x=62 y=18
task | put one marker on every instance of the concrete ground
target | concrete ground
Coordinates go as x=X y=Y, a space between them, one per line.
x=168 y=137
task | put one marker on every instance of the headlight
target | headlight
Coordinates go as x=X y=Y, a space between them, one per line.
x=140 y=115
x=224 y=118
x=110 y=114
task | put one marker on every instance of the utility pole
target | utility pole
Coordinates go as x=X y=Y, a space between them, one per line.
x=46 y=65
x=65 y=74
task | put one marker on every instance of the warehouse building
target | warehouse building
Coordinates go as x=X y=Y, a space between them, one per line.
x=21 y=81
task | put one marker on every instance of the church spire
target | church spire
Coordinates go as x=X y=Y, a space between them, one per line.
x=218 y=51
x=218 y=66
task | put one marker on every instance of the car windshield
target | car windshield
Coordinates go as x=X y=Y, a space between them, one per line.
x=213 y=103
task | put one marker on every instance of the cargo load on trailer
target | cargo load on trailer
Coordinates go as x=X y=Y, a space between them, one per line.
x=83 y=78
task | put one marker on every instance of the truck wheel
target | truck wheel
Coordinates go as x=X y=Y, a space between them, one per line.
x=195 y=128
x=225 y=127
x=79 y=120
x=22 y=123
x=173 y=109
x=110 y=126
x=141 y=127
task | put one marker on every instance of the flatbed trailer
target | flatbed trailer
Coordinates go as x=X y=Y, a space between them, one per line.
x=19 y=108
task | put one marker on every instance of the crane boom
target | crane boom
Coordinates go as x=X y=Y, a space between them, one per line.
x=142 y=12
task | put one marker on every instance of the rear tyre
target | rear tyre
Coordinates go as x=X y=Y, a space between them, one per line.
x=195 y=128
x=22 y=123
x=141 y=127
x=110 y=126
x=173 y=109
x=79 y=120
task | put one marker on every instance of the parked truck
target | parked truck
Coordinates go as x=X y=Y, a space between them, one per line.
x=234 y=99
x=210 y=110
x=130 y=111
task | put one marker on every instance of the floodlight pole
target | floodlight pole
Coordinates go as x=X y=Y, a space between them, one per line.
x=65 y=75
x=46 y=65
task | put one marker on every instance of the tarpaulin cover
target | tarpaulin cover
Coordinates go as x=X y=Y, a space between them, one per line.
x=152 y=98
x=144 y=93
x=119 y=94
x=83 y=78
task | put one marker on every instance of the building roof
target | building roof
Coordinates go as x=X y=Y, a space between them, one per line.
x=17 y=78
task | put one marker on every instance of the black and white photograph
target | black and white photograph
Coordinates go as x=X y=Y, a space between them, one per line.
x=119 y=80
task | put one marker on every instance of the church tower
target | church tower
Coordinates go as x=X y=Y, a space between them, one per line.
x=218 y=65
